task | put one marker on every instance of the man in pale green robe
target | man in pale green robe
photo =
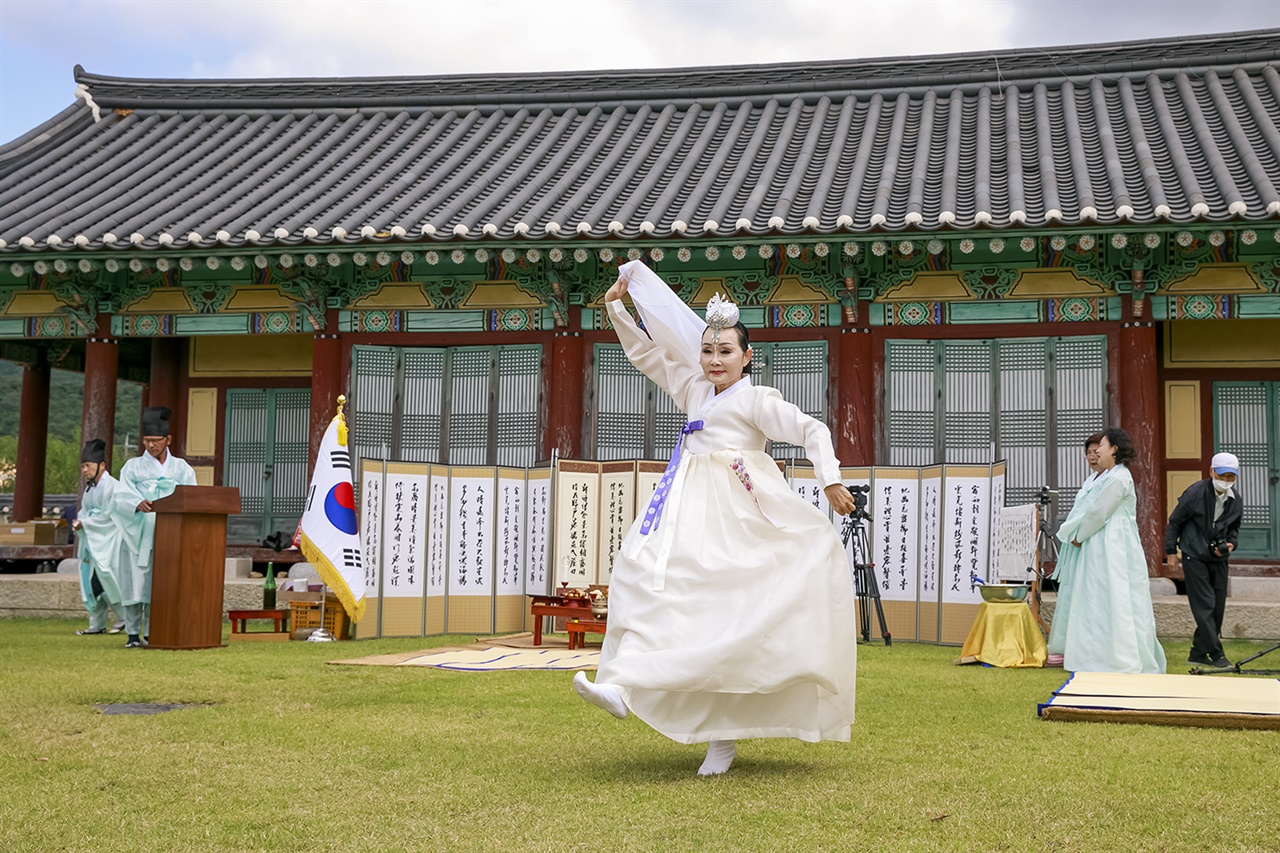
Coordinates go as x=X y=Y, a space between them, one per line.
x=146 y=478
x=98 y=538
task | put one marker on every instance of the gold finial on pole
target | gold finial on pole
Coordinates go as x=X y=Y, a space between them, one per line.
x=342 y=421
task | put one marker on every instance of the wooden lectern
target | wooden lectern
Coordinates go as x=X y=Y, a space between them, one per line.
x=189 y=566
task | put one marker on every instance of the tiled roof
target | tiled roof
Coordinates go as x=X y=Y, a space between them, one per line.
x=1174 y=130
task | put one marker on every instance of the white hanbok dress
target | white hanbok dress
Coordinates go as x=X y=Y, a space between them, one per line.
x=733 y=617
x=143 y=477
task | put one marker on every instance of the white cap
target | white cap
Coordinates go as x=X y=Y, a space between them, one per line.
x=1225 y=463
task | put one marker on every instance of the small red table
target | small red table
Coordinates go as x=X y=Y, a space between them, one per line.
x=557 y=606
x=579 y=628
x=239 y=617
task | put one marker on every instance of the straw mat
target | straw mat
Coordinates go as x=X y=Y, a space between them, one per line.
x=1175 y=700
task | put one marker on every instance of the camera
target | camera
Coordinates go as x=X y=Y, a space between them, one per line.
x=1045 y=495
x=1219 y=546
x=859 y=495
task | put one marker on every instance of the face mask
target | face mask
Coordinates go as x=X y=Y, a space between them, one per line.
x=1222 y=485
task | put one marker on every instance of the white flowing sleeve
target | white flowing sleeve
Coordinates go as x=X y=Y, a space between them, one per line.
x=1110 y=495
x=672 y=375
x=127 y=496
x=783 y=421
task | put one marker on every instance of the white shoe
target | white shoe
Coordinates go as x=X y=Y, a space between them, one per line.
x=601 y=695
x=720 y=755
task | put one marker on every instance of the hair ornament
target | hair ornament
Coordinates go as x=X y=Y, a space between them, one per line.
x=721 y=314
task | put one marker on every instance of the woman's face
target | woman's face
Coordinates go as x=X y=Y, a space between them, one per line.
x=1106 y=455
x=723 y=360
x=1091 y=456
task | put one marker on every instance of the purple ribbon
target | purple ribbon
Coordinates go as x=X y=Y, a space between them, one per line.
x=654 y=512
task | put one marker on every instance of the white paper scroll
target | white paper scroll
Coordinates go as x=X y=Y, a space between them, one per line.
x=804 y=482
x=405 y=498
x=617 y=511
x=1014 y=545
x=437 y=562
x=404 y=522
x=966 y=529
x=536 y=576
x=471 y=510
x=930 y=530
x=577 y=517
x=371 y=474
x=998 y=472
x=896 y=537
x=438 y=531
x=510 y=532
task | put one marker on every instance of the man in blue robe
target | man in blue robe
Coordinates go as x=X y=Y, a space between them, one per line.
x=146 y=478
x=98 y=538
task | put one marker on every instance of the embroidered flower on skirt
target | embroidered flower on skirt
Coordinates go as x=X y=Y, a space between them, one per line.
x=740 y=468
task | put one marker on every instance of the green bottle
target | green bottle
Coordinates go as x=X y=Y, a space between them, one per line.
x=269 y=588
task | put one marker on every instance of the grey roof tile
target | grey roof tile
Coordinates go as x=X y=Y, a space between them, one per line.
x=1173 y=130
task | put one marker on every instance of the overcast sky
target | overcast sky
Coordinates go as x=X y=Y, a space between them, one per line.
x=42 y=40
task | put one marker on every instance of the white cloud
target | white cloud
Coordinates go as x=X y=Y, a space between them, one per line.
x=273 y=38
x=40 y=40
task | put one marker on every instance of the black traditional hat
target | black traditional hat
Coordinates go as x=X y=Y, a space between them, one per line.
x=155 y=421
x=95 y=450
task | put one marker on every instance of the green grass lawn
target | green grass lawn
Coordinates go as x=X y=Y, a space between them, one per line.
x=289 y=753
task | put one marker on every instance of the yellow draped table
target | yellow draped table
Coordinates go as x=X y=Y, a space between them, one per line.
x=1005 y=634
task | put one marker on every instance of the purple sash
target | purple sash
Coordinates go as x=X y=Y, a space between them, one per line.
x=664 y=485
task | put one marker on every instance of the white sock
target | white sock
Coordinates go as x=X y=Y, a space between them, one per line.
x=720 y=755
x=601 y=695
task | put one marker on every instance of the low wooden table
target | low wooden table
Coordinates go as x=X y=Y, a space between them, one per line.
x=556 y=606
x=579 y=628
x=238 y=618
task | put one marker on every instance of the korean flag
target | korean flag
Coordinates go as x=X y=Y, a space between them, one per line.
x=329 y=533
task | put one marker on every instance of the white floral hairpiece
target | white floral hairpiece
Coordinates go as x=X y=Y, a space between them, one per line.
x=721 y=314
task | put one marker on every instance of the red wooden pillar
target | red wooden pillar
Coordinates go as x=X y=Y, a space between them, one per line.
x=33 y=441
x=566 y=397
x=101 y=369
x=327 y=382
x=164 y=388
x=1140 y=417
x=855 y=398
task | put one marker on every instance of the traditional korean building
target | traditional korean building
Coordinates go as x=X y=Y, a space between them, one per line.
x=948 y=258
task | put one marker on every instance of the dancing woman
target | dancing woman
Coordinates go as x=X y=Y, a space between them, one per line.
x=731 y=611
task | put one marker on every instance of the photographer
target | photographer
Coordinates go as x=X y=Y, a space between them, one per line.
x=1206 y=524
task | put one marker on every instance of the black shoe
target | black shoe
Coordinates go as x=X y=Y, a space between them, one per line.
x=1200 y=660
x=1222 y=663
x=116 y=628
x=133 y=644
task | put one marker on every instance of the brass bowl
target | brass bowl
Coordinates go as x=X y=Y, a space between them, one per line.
x=1004 y=591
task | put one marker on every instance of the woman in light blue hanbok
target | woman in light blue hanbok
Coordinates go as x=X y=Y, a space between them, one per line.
x=1064 y=571
x=1108 y=621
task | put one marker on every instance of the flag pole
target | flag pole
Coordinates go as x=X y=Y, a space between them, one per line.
x=320 y=635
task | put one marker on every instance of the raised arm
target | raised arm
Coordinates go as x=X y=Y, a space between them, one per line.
x=675 y=377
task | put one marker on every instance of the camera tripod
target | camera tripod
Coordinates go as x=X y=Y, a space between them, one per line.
x=864 y=580
x=1237 y=667
x=1046 y=552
